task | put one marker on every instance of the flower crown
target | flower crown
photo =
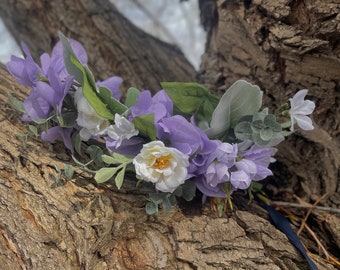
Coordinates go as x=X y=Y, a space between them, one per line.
x=181 y=139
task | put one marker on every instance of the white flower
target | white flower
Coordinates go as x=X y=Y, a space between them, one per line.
x=164 y=166
x=300 y=108
x=92 y=124
x=123 y=129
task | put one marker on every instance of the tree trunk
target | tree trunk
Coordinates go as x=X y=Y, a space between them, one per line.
x=284 y=46
x=114 y=44
x=78 y=224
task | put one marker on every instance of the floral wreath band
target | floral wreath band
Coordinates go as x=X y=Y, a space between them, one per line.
x=181 y=139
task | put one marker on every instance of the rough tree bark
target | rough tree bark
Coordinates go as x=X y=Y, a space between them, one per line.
x=77 y=224
x=284 y=46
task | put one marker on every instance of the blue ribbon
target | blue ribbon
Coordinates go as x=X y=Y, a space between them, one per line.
x=283 y=225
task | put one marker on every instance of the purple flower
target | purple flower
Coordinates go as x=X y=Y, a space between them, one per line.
x=45 y=98
x=24 y=70
x=217 y=173
x=56 y=61
x=240 y=180
x=130 y=147
x=208 y=190
x=226 y=153
x=57 y=132
x=180 y=133
x=261 y=157
x=160 y=105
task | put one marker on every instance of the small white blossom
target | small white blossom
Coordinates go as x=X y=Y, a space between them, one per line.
x=164 y=166
x=300 y=108
x=92 y=124
x=123 y=129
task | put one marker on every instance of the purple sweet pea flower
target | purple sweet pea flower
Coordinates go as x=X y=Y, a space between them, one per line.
x=24 y=70
x=57 y=132
x=56 y=60
x=262 y=157
x=130 y=147
x=160 y=105
x=46 y=97
x=180 y=133
x=208 y=190
x=240 y=180
x=226 y=153
x=217 y=173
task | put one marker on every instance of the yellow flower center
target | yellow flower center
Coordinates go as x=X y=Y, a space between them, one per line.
x=162 y=162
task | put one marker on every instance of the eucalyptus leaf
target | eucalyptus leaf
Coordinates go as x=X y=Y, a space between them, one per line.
x=34 y=130
x=166 y=204
x=69 y=170
x=105 y=174
x=95 y=154
x=188 y=190
x=243 y=131
x=109 y=159
x=16 y=103
x=242 y=98
x=266 y=134
x=76 y=142
x=119 y=179
x=121 y=158
x=151 y=208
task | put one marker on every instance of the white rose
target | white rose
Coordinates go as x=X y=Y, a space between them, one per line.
x=164 y=166
x=92 y=124
x=123 y=129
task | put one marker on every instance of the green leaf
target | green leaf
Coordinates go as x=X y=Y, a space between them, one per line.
x=59 y=172
x=131 y=96
x=257 y=126
x=33 y=129
x=188 y=190
x=119 y=179
x=76 y=142
x=98 y=97
x=121 y=158
x=90 y=93
x=95 y=154
x=151 y=208
x=266 y=134
x=258 y=140
x=113 y=104
x=243 y=131
x=242 y=98
x=166 y=204
x=105 y=174
x=67 y=119
x=69 y=170
x=145 y=125
x=16 y=103
x=109 y=159
x=67 y=55
x=188 y=97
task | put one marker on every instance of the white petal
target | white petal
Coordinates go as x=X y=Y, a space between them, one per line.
x=304 y=122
